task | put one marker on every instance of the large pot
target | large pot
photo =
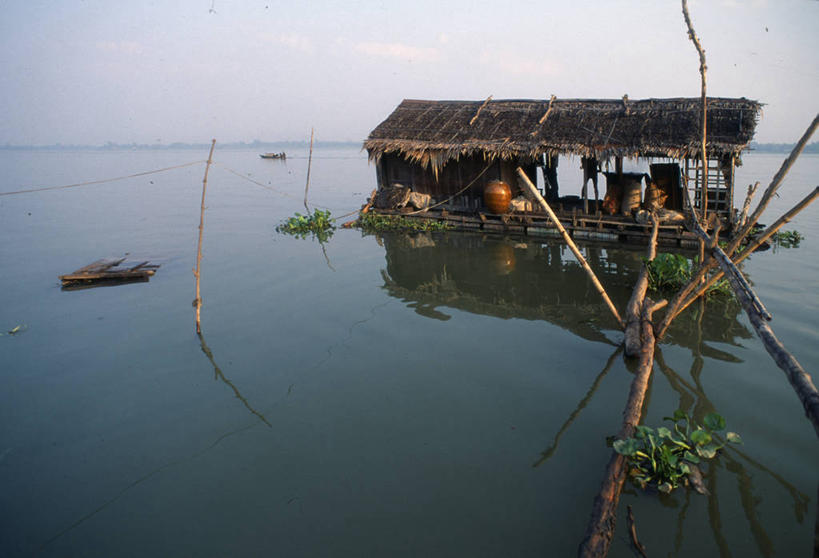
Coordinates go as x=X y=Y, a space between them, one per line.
x=496 y=196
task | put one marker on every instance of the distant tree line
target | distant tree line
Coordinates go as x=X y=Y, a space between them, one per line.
x=782 y=147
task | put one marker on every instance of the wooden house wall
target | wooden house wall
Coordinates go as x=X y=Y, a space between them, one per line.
x=456 y=174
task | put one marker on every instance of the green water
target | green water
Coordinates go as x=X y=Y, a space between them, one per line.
x=437 y=394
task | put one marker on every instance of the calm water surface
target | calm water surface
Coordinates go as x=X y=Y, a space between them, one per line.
x=434 y=395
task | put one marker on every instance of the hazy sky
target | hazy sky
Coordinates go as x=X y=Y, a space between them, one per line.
x=91 y=71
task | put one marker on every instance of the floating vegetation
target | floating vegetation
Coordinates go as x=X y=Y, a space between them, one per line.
x=787 y=239
x=374 y=222
x=319 y=225
x=669 y=272
x=667 y=458
x=15 y=330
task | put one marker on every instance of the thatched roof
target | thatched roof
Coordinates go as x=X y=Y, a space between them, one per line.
x=433 y=132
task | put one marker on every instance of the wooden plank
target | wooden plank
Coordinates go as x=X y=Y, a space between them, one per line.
x=107 y=269
x=99 y=265
x=127 y=274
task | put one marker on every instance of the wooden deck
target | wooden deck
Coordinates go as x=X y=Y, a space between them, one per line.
x=603 y=228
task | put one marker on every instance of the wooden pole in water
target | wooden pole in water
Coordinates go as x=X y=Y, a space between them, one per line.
x=776 y=181
x=600 y=529
x=683 y=296
x=703 y=154
x=759 y=316
x=640 y=341
x=743 y=216
x=309 y=163
x=758 y=241
x=728 y=266
x=798 y=378
x=631 y=339
x=197 y=302
x=572 y=246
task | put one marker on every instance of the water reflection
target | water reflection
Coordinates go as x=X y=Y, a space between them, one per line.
x=219 y=375
x=549 y=452
x=506 y=278
x=714 y=321
x=694 y=400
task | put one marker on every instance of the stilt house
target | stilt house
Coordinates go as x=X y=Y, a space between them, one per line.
x=451 y=149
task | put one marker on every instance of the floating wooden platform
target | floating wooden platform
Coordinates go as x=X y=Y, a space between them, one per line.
x=108 y=272
x=581 y=226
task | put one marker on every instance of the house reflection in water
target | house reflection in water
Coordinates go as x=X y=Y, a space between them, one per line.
x=528 y=280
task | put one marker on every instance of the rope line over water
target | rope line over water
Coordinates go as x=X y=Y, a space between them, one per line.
x=165 y=169
x=285 y=194
x=103 y=181
x=256 y=182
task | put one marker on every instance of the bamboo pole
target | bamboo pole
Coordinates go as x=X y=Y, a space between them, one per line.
x=676 y=304
x=197 y=302
x=798 y=378
x=309 y=163
x=572 y=246
x=600 y=528
x=729 y=267
x=746 y=206
x=680 y=300
x=776 y=181
x=758 y=315
x=703 y=154
x=762 y=238
x=631 y=339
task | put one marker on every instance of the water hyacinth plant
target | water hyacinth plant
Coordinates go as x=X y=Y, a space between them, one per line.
x=669 y=272
x=319 y=224
x=787 y=239
x=373 y=222
x=667 y=458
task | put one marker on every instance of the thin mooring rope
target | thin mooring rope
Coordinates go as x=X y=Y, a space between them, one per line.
x=99 y=181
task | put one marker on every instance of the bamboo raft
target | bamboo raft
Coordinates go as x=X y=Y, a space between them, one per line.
x=107 y=272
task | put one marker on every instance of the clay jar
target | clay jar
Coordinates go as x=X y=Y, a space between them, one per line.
x=496 y=196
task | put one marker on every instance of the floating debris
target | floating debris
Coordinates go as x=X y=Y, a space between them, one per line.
x=107 y=272
x=15 y=330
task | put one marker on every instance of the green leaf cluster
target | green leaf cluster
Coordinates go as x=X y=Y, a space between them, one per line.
x=319 y=225
x=374 y=222
x=665 y=457
x=787 y=239
x=669 y=272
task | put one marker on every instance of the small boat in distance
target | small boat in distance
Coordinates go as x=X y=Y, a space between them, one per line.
x=281 y=155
